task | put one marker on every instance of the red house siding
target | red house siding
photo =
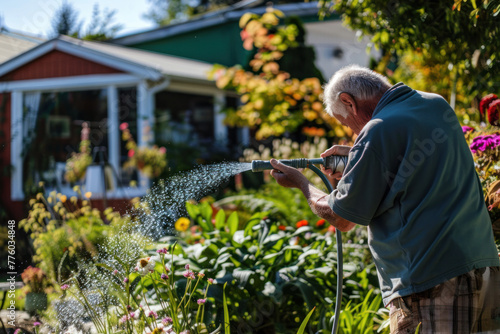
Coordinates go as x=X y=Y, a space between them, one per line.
x=13 y=209
x=57 y=64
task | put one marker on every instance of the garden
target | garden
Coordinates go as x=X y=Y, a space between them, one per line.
x=219 y=249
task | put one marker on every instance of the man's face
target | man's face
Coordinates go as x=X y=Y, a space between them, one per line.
x=352 y=121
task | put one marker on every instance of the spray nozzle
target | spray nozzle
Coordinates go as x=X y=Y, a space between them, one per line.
x=334 y=162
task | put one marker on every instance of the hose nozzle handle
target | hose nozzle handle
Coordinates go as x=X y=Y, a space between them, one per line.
x=334 y=162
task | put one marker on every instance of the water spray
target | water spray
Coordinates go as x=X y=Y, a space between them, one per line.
x=336 y=163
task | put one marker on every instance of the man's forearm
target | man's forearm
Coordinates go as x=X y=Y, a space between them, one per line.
x=318 y=201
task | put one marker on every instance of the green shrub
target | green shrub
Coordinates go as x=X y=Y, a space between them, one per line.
x=275 y=274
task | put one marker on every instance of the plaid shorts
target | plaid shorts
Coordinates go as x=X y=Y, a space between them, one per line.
x=469 y=303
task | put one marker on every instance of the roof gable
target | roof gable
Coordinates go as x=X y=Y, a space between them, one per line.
x=107 y=58
x=57 y=64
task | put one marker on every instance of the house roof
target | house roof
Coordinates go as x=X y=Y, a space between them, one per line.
x=231 y=13
x=13 y=43
x=144 y=64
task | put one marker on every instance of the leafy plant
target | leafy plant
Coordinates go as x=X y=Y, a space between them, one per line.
x=460 y=36
x=34 y=279
x=149 y=160
x=273 y=101
x=60 y=226
x=151 y=297
x=76 y=165
x=274 y=274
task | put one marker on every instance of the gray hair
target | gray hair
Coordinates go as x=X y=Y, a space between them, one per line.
x=360 y=82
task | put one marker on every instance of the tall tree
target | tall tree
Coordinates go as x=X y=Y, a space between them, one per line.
x=274 y=101
x=462 y=35
x=164 y=12
x=101 y=26
x=65 y=21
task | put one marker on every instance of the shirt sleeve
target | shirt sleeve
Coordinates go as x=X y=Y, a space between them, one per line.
x=362 y=187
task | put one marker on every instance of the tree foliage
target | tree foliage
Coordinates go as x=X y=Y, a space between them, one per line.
x=101 y=26
x=273 y=101
x=164 y=12
x=462 y=35
x=65 y=21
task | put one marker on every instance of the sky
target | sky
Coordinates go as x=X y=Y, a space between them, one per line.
x=35 y=16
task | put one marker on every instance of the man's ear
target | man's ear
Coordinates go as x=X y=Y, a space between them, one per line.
x=349 y=102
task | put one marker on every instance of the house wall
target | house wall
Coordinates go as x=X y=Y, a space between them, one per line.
x=335 y=45
x=57 y=64
x=220 y=44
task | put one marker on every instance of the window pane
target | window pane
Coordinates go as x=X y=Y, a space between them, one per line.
x=57 y=129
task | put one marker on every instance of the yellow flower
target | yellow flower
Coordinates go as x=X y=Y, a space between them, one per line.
x=182 y=224
x=88 y=194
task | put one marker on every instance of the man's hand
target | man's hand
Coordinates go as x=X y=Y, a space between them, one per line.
x=287 y=176
x=334 y=150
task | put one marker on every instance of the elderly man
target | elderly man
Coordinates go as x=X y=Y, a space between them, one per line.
x=411 y=180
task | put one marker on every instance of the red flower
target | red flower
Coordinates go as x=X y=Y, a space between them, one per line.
x=124 y=126
x=301 y=223
x=485 y=102
x=331 y=228
x=320 y=223
x=131 y=153
x=282 y=227
x=494 y=112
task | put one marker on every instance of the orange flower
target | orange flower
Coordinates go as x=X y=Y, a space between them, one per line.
x=282 y=227
x=301 y=223
x=320 y=223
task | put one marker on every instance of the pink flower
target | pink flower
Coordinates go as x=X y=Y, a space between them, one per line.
x=162 y=150
x=36 y=323
x=210 y=280
x=162 y=251
x=189 y=274
x=201 y=301
x=64 y=287
x=115 y=272
x=125 y=280
x=201 y=275
x=17 y=331
x=151 y=314
x=167 y=320
x=186 y=267
x=164 y=276
x=124 y=126
x=131 y=153
x=466 y=129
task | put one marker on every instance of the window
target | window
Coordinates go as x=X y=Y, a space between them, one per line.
x=184 y=118
x=52 y=124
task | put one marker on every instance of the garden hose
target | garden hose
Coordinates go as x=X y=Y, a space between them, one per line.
x=336 y=164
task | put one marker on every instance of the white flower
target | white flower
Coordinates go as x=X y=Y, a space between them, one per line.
x=145 y=265
x=72 y=330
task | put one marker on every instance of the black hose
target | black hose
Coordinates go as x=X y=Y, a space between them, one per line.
x=340 y=274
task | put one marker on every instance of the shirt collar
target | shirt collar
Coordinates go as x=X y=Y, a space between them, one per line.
x=393 y=93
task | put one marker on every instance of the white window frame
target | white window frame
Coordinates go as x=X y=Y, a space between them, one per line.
x=109 y=82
